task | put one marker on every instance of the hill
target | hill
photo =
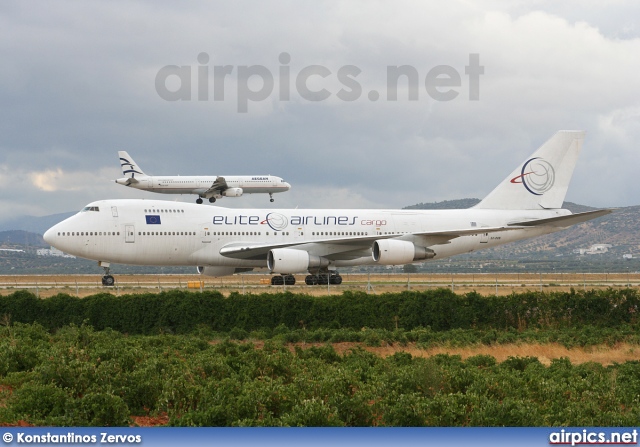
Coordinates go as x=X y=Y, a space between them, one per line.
x=21 y=239
x=618 y=229
x=34 y=224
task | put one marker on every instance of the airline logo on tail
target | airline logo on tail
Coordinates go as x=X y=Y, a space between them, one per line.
x=126 y=163
x=537 y=176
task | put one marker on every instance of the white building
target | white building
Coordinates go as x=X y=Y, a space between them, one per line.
x=595 y=249
x=53 y=252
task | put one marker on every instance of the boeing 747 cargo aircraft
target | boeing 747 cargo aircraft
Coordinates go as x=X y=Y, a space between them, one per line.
x=220 y=241
x=205 y=186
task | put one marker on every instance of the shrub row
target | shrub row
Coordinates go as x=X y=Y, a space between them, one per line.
x=182 y=312
x=82 y=377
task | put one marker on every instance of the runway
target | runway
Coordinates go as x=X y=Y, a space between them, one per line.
x=483 y=283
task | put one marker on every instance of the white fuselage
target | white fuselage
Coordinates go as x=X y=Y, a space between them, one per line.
x=250 y=184
x=152 y=232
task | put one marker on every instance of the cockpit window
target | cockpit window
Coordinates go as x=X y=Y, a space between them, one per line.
x=90 y=208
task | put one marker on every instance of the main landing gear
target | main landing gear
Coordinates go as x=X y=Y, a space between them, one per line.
x=287 y=280
x=319 y=279
x=332 y=277
x=107 y=279
x=271 y=197
x=199 y=200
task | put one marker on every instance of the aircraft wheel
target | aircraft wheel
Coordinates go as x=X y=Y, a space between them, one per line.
x=108 y=281
x=311 y=280
x=271 y=200
x=277 y=280
x=289 y=280
x=198 y=200
x=212 y=199
x=323 y=279
x=336 y=279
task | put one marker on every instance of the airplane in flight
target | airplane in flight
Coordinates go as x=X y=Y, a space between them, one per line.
x=220 y=241
x=207 y=187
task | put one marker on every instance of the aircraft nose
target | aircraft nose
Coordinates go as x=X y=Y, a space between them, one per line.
x=49 y=236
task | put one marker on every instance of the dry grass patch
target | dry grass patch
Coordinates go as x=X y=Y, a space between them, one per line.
x=545 y=353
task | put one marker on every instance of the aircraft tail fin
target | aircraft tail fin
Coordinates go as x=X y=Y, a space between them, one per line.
x=129 y=167
x=542 y=180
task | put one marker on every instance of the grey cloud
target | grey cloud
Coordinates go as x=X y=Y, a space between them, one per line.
x=77 y=84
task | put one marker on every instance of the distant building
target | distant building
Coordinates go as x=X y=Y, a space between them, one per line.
x=53 y=252
x=595 y=249
x=11 y=250
x=627 y=256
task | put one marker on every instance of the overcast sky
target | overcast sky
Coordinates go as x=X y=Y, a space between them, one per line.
x=79 y=81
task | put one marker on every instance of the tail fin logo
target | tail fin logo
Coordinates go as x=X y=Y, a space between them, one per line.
x=537 y=176
x=124 y=162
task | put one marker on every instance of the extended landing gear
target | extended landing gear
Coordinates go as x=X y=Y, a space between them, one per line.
x=107 y=279
x=287 y=280
x=270 y=197
x=323 y=278
x=199 y=200
x=212 y=200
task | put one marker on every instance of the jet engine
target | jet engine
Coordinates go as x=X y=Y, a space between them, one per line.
x=287 y=260
x=232 y=192
x=395 y=252
x=220 y=270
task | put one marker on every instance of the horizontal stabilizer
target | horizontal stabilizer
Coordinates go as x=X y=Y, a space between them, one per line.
x=564 y=221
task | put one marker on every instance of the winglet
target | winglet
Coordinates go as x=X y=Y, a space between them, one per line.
x=541 y=181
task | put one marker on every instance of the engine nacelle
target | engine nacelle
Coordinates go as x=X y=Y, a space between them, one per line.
x=220 y=270
x=232 y=192
x=287 y=260
x=395 y=252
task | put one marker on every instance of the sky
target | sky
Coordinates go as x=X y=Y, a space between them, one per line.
x=306 y=91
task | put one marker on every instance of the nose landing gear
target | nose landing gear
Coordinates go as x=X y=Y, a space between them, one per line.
x=107 y=279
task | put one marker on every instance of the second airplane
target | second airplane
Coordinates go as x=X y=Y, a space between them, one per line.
x=205 y=186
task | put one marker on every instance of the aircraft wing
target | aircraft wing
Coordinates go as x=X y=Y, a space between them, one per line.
x=348 y=247
x=219 y=185
x=564 y=221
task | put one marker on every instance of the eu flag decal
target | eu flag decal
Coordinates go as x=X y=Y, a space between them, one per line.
x=153 y=220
